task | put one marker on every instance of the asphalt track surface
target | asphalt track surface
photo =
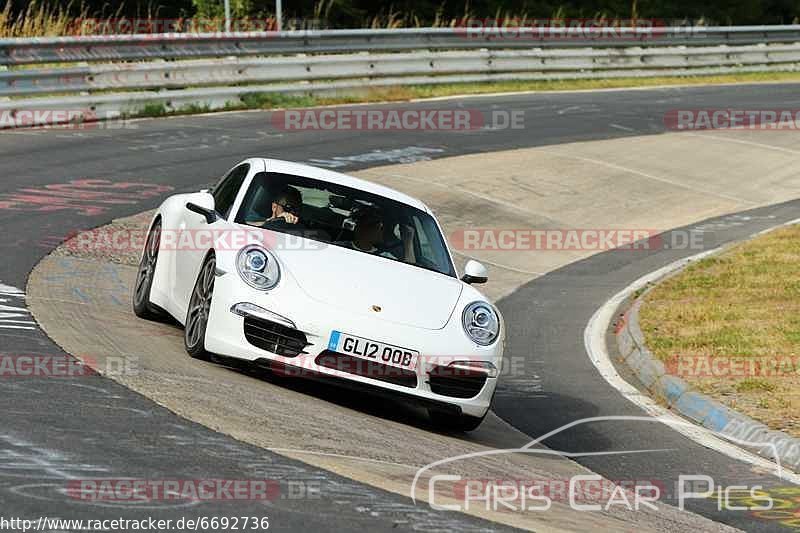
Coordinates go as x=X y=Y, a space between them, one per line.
x=55 y=430
x=557 y=307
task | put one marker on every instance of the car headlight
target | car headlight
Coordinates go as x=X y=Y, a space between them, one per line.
x=258 y=267
x=481 y=323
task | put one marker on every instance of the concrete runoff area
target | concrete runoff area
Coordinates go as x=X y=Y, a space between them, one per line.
x=651 y=183
x=654 y=182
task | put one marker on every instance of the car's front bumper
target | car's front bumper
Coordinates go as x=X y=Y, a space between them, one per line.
x=433 y=385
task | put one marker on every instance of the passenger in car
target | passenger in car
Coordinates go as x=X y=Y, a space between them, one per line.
x=368 y=236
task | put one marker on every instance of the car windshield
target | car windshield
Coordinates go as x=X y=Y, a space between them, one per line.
x=345 y=217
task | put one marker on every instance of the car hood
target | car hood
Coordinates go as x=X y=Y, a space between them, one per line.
x=355 y=282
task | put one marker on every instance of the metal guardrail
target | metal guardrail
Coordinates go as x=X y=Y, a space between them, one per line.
x=173 y=46
x=179 y=74
x=215 y=70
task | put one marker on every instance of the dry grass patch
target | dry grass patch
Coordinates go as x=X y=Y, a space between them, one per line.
x=741 y=307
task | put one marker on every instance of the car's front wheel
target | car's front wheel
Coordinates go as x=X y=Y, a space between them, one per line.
x=455 y=422
x=144 y=278
x=194 y=334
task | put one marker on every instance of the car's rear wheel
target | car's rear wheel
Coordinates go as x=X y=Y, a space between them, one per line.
x=194 y=334
x=144 y=278
x=455 y=422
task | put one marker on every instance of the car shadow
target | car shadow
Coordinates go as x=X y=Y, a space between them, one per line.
x=515 y=404
x=546 y=412
x=341 y=393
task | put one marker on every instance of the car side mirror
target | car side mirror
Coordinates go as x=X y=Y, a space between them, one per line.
x=210 y=214
x=475 y=272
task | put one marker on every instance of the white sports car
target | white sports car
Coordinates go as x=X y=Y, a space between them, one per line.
x=327 y=275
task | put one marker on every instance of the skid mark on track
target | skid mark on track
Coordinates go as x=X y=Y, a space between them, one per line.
x=181 y=141
x=20 y=458
x=411 y=154
x=87 y=197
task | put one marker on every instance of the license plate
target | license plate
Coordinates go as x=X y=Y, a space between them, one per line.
x=380 y=352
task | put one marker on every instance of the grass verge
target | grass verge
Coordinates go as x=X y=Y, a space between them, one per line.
x=730 y=326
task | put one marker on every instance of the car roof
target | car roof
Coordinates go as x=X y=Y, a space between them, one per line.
x=308 y=171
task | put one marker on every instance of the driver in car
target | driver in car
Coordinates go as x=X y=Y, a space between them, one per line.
x=368 y=236
x=285 y=210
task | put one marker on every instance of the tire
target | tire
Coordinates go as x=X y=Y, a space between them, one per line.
x=194 y=334
x=452 y=422
x=144 y=278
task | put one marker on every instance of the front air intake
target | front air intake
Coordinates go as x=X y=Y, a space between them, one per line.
x=273 y=337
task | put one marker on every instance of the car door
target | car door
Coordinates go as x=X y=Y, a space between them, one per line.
x=198 y=239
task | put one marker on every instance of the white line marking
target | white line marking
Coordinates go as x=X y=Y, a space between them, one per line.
x=498 y=265
x=620 y=127
x=14 y=317
x=595 y=342
x=650 y=176
x=8 y=290
x=485 y=197
x=284 y=451
x=12 y=132
x=568 y=109
x=770 y=230
x=748 y=143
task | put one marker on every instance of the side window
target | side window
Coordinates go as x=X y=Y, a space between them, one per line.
x=424 y=241
x=225 y=192
x=432 y=248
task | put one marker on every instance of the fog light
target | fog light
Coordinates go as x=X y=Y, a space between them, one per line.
x=247 y=309
x=477 y=366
